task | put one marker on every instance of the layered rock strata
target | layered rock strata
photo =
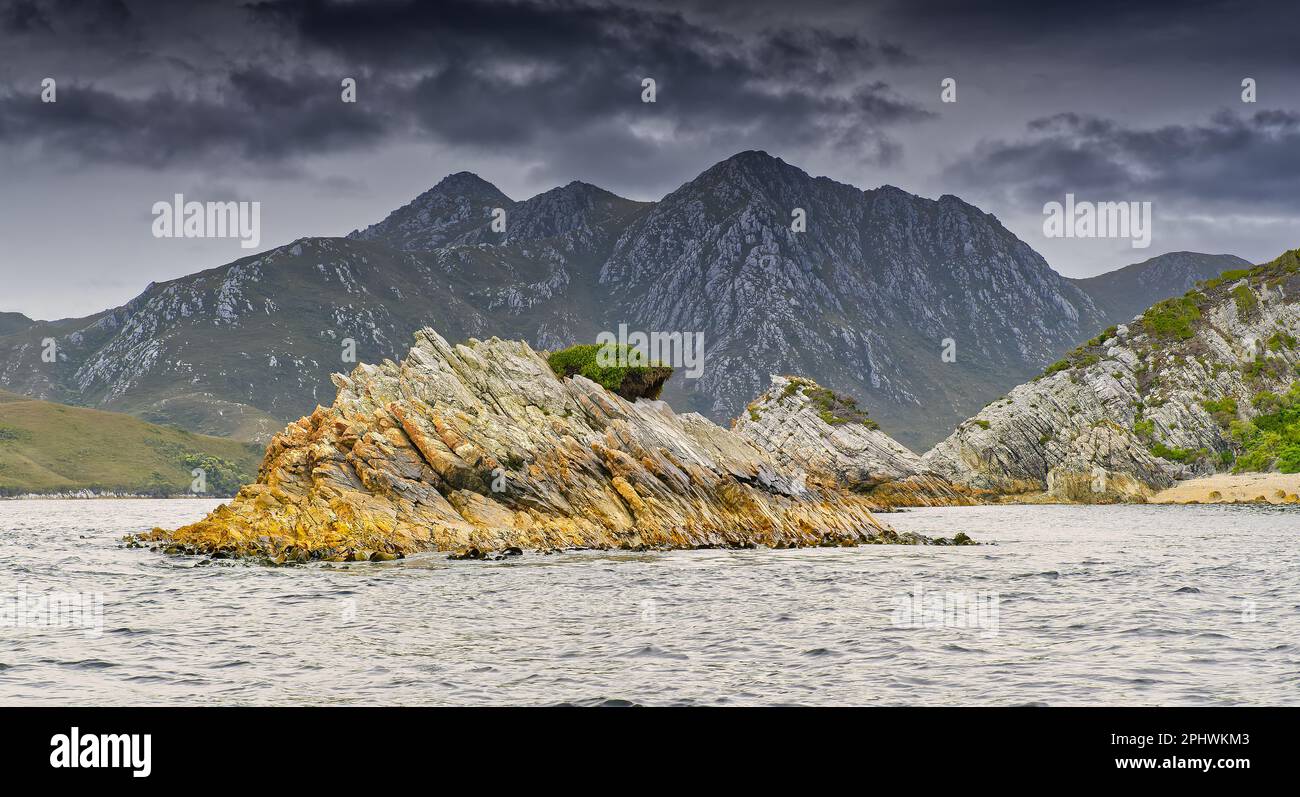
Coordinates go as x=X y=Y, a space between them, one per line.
x=825 y=436
x=1144 y=404
x=480 y=447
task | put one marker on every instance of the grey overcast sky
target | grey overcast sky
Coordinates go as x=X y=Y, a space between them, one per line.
x=1111 y=100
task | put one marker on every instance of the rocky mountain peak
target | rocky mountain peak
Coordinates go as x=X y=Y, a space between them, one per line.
x=750 y=160
x=465 y=183
x=458 y=205
x=574 y=208
x=865 y=298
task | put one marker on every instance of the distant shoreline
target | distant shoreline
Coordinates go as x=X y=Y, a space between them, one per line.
x=1221 y=488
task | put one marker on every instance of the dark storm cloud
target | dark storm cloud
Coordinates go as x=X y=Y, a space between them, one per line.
x=65 y=16
x=1250 y=162
x=1164 y=31
x=24 y=17
x=399 y=34
x=257 y=117
x=241 y=98
x=472 y=73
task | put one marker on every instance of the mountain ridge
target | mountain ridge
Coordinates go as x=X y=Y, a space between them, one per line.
x=14 y=322
x=863 y=301
x=1121 y=292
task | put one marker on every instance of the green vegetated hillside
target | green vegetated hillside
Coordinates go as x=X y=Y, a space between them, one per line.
x=1270 y=440
x=53 y=448
x=1265 y=437
x=1202 y=383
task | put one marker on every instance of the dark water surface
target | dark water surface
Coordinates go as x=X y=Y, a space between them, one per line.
x=1145 y=605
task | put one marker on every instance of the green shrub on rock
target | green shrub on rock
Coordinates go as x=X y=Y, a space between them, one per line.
x=833 y=408
x=1271 y=441
x=1173 y=318
x=1224 y=410
x=1183 y=455
x=638 y=378
x=1246 y=300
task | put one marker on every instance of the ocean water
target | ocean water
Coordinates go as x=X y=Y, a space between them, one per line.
x=1132 y=605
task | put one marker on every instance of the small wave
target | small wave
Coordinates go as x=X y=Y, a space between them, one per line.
x=88 y=664
x=653 y=652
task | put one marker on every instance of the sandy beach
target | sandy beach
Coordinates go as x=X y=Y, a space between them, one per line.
x=1226 y=488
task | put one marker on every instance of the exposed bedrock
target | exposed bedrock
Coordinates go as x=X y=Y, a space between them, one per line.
x=480 y=447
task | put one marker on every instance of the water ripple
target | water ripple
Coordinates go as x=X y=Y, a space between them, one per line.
x=1094 y=605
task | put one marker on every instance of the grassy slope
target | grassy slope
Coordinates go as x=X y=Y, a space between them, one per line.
x=46 y=447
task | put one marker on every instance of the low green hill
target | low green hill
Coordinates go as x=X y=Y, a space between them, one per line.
x=52 y=448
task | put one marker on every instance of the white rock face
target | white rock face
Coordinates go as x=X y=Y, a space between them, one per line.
x=1128 y=414
x=808 y=428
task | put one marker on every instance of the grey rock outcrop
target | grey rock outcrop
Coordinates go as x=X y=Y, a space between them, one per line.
x=826 y=437
x=480 y=447
x=1143 y=404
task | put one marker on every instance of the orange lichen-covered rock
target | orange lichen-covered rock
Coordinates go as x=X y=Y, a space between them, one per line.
x=480 y=447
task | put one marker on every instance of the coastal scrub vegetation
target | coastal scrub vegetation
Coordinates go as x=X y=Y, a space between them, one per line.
x=1281 y=340
x=1245 y=299
x=1174 y=454
x=640 y=377
x=1224 y=410
x=1232 y=275
x=833 y=408
x=223 y=477
x=1263 y=368
x=1173 y=318
x=1079 y=358
x=1270 y=441
x=1284 y=265
x=1106 y=334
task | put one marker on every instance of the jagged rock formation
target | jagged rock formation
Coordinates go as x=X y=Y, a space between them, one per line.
x=861 y=301
x=1104 y=463
x=481 y=447
x=1144 y=403
x=826 y=437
